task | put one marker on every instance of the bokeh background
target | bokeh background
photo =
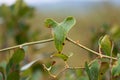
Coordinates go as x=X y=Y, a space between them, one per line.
x=91 y=16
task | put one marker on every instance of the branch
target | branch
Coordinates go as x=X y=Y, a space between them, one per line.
x=90 y=50
x=67 y=68
x=26 y=44
x=49 y=40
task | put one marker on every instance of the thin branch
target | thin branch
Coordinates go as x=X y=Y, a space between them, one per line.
x=90 y=50
x=65 y=69
x=53 y=76
x=68 y=68
x=49 y=40
x=26 y=44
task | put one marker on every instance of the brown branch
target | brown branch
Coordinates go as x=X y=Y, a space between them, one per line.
x=26 y=44
x=90 y=50
x=49 y=40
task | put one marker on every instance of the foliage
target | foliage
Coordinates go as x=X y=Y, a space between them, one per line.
x=60 y=30
x=14 y=20
x=93 y=70
x=113 y=32
x=104 y=67
x=106 y=45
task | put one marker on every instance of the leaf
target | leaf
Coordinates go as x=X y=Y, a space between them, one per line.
x=62 y=56
x=37 y=75
x=59 y=37
x=17 y=7
x=21 y=9
x=18 y=56
x=103 y=68
x=68 y=23
x=1 y=77
x=25 y=67
x=88 y=71
x=60 y=30
x=116 y=68
x=93 y=70
x=115 y=32
x=106 y=45
x=5 y=12
x=13 y=76
x=13 y=64
x=50 y=23
x=2 y=73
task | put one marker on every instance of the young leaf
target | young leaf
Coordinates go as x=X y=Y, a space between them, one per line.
x=106 y=45
x=60 y=30
x=116 y=68
x=93 y=70
x=62 y=56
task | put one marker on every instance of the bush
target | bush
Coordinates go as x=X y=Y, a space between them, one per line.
x=105 y=66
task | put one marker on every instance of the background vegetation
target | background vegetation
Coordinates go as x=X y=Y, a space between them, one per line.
x=21 y=23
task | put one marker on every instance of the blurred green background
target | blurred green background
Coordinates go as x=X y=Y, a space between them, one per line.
x=89 y=16
x=27 y=24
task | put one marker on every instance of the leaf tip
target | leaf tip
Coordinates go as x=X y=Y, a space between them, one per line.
x=71 y=18
x=50 y=23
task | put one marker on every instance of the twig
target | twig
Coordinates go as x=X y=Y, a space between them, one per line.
x=72 y=68
x=66 y=68
x=90 y=50
x=53 y=76
x=26 y=44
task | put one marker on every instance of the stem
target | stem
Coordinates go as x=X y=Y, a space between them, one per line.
x=90 y=50
x=53 y=76
x=26 y=44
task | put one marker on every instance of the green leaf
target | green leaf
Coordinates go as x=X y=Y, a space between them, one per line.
x=2 y=74
x=13 y=76
x=62 y=56
x=18 y=56
x=103 y=68
x=115 y=32
x=60 y=30
x=50 y=23
x=68 y=23
x=5 y=12
x=106 y=45
x=17 y=7
x=93 y=70
x=13 y=64
x=59 y=38
x=88 y=71
x=116 y=68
